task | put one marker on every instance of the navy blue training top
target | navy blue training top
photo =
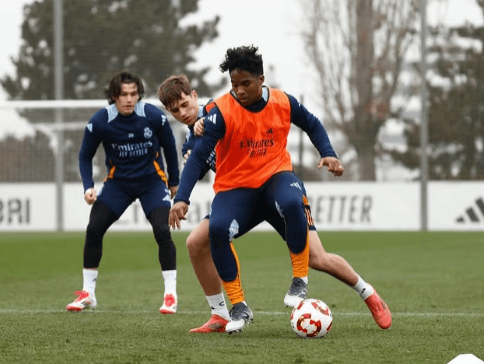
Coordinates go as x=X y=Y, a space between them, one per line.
x=131 y=143
x=214 y=131
x=191 y=139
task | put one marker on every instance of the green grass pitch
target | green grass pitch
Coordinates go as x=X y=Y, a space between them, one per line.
x=433 y=283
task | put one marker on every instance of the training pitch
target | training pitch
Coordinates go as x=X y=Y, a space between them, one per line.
x=433 y=283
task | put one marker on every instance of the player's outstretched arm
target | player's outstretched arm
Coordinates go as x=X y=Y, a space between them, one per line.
x=177 y=213
x=333 y=164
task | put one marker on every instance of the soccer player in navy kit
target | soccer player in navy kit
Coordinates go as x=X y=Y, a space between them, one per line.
x=132 y=134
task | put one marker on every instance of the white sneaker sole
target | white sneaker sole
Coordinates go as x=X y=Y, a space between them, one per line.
x=234 y=327
x=81 y=307
x=292 y=301
x=167 y=311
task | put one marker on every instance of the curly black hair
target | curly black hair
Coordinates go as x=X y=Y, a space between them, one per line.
x=113 y=89
x=245 y=58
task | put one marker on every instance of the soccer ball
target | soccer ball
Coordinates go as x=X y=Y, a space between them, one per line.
x=311 y=318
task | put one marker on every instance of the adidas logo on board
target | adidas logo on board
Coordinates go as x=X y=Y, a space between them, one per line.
x=475 y=213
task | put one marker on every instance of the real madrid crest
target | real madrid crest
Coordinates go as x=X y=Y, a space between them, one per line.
x=148 y=133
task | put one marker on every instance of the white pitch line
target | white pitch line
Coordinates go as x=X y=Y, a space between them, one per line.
x=269 y=313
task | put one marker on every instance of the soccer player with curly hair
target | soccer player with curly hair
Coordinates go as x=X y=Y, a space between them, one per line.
x=254 y=174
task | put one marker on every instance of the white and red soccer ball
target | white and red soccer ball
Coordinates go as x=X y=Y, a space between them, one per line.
x=312 y=318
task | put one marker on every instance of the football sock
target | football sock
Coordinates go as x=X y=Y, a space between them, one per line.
x=300 y=261
x=89 y=281
x=305 y=279
x=218 y=306
x=169 y=277
x=363 y=288
x=234 y=290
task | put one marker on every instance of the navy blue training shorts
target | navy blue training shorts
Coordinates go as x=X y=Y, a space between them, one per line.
x=118 y=195
x=275 y=220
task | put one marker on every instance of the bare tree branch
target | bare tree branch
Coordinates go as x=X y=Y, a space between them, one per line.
x=357 y=49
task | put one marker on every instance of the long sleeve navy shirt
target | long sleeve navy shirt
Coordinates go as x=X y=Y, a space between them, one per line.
x=214 y=131
x=132 y=144
x=191 y=140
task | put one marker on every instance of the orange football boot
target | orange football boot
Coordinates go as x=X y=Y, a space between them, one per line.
x=379 y=310
x=215 y=324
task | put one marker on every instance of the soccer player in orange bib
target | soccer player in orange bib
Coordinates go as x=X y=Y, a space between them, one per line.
x=251 y=124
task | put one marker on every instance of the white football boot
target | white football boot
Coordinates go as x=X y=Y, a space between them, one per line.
x=240 y=314
x=170 y=303
x=83 y=301
x=296 y=293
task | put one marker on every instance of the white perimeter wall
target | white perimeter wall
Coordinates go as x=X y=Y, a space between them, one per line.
x=335 y=206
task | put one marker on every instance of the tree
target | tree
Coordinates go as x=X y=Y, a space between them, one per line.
x=357 y=50
x=455 y=112
x=102 y=37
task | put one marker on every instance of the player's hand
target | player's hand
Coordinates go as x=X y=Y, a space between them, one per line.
x=333 y=164
x=177 y=213
x=173 y=191
x=90 y=196
x=199 y=127
x=187 y=154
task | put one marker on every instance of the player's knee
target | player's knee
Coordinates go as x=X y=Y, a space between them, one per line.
x=197 y=246
x=162 y=234
x=100 y=220
x=219 y=234
x=296 y=248
x=191 y=244
x=159 y=223
x=95 y=232
x=93 y=245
